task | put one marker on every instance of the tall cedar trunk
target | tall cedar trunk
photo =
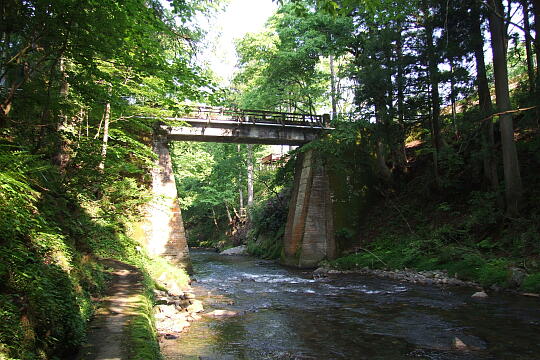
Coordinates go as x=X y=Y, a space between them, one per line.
x=396 y=145
x=433 y=71
x=453 y=96
x=250 y=174
x=486 y=106
x=528 y=45
x=536 y=8
x=333 y=87
x=104 y=144
x=3 y=59
x=400 y=83
x=385 y=172
x=61 y=157
x=512 y=177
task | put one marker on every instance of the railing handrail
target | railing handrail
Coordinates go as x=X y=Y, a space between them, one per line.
x=253 y=115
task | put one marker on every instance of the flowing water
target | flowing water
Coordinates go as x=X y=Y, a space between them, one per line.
x=286 y=314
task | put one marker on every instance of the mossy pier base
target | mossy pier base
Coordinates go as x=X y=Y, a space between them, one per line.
x=162 y=230
x=309 y=233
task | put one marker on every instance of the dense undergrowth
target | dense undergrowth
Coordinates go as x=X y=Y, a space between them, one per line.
x=457 y=226
x=268 y=219
x=53 y=236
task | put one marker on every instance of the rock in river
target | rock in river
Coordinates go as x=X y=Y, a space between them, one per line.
x=195 y=307
x=239 y=250
x=479 y=295
x=221 y=313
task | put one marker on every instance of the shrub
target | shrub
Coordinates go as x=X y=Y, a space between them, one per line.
x=532 y=283
x=494 y=272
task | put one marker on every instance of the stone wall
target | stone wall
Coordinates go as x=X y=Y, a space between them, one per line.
x=309 y=233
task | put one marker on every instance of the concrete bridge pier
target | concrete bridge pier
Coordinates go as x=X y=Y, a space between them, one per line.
x=309 y=232
x=163 y=230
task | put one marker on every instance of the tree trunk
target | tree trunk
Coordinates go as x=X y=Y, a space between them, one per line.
x=105 y=142
x=512 y=177
x=453 y=97
x=485 y=104
x=250 y=174
x=229 y=217
x=215 y=218
x=61 y=157
x=528 y=46
x=385 y=172
x=400 y=83
x=536 y=8
x=333 y=87
x=433 y=71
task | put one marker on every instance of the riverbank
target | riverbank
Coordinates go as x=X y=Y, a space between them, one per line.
x=435 y=277
x=174 y=311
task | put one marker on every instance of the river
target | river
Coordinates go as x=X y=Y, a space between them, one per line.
x=286 y=314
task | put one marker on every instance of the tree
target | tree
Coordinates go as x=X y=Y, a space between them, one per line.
x=512 y=177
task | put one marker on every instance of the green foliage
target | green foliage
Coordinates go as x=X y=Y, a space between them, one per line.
x=532 y=283
x=268 y=219
x=142 y=332
x=494 y=272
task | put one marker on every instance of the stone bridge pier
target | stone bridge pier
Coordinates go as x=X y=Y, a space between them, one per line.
x=162 y=230
x=309 y=232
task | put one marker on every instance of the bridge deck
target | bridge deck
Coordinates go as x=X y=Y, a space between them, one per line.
x=212 y=124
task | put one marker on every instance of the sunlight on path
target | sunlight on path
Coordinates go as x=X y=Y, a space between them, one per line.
x=107 y=338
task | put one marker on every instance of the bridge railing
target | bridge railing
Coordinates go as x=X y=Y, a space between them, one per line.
x=210 y=113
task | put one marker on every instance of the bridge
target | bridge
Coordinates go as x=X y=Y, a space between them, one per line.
x=217 y=124
x=309 y=232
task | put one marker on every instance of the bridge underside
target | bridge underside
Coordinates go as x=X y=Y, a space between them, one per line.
x=309 y=231
x=246 y=133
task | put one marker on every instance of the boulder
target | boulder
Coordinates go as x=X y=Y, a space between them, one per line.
x=193 y=317
x=516 y=277
x=479 y=295
x=239 y=250
x=174 y=290
x=195 y=307
x=321 y=271
x=165 y=310
x=221 y=313
x=457 y=344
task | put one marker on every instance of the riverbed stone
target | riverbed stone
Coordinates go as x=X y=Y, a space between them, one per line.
x=516 y=277
x=239 y=250
x=221 y=313
x=479 y=295
x=195 y=307
x=193 y=317
x=166 y=310
x=174 y=290
x=458 y=344
x=321 y=271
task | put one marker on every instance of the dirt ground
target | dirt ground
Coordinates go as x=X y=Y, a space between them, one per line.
x=107 y=337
